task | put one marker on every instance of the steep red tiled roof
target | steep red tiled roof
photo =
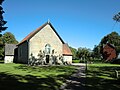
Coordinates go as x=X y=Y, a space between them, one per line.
x=32 y=34
x=66 y=50
x=37 y=30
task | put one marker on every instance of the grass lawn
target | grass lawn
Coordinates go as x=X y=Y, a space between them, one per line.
x=23 y=77
x=78 y=61
x=101 y=76
x=75 y=61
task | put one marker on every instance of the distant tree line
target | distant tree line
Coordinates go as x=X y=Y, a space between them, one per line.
x=81 y=53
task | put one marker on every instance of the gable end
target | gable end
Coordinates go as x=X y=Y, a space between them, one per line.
x=28 y=37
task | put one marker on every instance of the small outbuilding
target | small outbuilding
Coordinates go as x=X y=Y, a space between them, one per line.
x=9 y=53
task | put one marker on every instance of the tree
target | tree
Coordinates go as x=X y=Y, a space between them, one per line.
x=1 y=48
x=9 y=38
x=74 y=52
x=117 y=17
x=2 y=22
x=96 y=52
x=112 y=38
x=83 y=53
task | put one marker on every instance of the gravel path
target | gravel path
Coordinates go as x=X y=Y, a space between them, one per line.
x=77 y=80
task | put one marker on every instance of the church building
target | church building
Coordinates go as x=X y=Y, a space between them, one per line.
x=45 y=39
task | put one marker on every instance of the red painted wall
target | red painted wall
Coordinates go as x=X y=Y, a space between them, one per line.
x=109 y=52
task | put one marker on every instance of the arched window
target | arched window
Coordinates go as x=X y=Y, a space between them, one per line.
x=47 y=48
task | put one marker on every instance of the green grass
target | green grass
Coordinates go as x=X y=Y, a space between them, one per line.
x=23 y=77
x=78 y=61
x=101 y=76
x=75 y=61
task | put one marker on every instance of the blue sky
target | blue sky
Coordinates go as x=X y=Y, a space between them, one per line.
x=80 y=23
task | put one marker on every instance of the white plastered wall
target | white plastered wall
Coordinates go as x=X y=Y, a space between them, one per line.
x=9 y=59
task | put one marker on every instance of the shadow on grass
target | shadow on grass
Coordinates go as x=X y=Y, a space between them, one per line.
x=77 y=84
x=66 y=69
x=102 y=78
x=34 y=82
x=28 y=82
x=95 y=83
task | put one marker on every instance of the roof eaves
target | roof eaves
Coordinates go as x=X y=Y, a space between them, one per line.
x=29 y=36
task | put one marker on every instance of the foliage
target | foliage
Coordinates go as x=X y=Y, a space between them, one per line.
x=9 y=38
x=74 y=52
x=112 y=38
x=117 y=17
x=41 y=60
x=96 y=52
x=15 y=76
x=102 y=77
x=1 y=48
x=2 y=22
x=1 y=51
x=83 y=53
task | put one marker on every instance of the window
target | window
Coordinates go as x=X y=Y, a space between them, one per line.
x=47 y=48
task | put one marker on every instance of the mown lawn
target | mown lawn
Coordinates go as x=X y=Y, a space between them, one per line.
x=24 y=77
x=102 y=76
x=78 y=61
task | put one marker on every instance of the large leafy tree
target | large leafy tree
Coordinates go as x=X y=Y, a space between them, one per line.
x=112 y=38
x=96 y=52
x=2 y=22
x=83 y=53
x=9 y=38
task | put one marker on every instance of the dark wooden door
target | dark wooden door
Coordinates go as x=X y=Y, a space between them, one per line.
x=47 y=58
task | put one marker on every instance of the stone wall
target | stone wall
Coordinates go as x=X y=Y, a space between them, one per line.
x=45 y=36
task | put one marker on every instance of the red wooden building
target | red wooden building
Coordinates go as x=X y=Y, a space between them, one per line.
x=109 y=52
